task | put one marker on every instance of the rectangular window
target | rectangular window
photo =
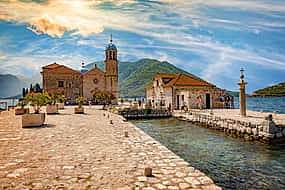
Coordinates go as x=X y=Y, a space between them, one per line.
x=60 y=84
x=182 y=98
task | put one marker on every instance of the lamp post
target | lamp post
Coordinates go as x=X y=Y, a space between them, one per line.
x=242 y=95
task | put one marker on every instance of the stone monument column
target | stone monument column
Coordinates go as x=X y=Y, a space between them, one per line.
x=242 y=94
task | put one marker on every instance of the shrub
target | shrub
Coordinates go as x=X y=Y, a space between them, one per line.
x=103 y=97
x=80 y=100
x=22 y=103
x=37 y=100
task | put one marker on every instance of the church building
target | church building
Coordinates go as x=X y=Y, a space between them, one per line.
x=73 y=84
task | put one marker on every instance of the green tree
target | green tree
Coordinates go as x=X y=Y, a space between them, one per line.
x=103 y=97
x=37 y=100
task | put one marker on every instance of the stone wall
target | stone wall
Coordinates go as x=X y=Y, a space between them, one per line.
x=72 y=83
x=266 y=131
x=93 y=80
x=193 y=96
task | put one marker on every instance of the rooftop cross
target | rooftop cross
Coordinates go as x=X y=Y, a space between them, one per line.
x=242 y=70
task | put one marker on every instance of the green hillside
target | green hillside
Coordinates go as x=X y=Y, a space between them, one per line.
x=134 y=84
x=134 y=76
x=276 y=90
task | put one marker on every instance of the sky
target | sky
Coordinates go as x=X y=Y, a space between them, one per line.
x=212 y=39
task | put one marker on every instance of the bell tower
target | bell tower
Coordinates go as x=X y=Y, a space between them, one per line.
x=111 y=69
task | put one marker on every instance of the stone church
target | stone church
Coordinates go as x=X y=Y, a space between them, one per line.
x=177 y=91
x=72 y=83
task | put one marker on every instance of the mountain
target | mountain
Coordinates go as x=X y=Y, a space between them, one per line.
x=10 y=85
x=134 y=76
x=275 y=90
x=142 y=74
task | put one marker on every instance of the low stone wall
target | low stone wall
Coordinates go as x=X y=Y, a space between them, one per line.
x=266 y=131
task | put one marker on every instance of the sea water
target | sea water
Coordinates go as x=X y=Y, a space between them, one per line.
x=4 y=103
x=267 y=104
x=231 y=162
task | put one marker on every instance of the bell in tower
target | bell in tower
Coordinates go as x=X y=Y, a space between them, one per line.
x=111 y=69
x=111 y=50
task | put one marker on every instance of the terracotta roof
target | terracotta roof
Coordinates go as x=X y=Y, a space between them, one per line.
x=58 y=66
x=148 y=86
x=165 y=75
x=51 y=66
x=186 y=80
x=182 y=80
x=95 y=68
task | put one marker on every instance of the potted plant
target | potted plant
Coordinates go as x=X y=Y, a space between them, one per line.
x=51 y=107
x=22 y=110
x=37 y=100
x=79 y=110
x=60 y=101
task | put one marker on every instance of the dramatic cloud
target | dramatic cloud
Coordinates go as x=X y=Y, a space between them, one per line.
x=55 y=17
x=48 y=26
x=197 y=35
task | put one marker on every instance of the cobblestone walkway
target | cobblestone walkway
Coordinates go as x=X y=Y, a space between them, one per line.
x=88 y=152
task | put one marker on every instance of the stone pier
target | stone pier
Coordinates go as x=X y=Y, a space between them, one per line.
x=87 y=151
x=256 y=126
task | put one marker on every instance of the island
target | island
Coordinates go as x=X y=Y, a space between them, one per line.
x=271 y=91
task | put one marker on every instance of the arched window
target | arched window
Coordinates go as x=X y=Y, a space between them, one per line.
x=110 y=55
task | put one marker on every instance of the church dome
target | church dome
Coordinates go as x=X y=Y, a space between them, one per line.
x=111 y=46
x=83 y=68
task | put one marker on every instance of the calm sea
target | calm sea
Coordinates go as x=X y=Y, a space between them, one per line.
x=270 y=104
x=10 y=102
x=231 y=162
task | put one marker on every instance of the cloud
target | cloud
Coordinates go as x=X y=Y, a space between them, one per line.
x=48 y=26
x=5 y=17
x=3 y=57
x=54 y=17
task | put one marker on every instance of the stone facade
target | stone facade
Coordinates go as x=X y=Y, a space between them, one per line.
x=72 y=83
x=61 y=79
x=93 y=80
x=177 y=91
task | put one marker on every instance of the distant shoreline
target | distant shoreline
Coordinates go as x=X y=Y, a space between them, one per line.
x=265 y=96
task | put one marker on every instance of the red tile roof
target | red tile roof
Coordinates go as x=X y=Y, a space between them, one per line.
x=58 y=66
x=149 y=86
x=183 y=80
x=51 y=66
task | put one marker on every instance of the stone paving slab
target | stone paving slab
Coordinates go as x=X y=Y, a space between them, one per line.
x=88 y=152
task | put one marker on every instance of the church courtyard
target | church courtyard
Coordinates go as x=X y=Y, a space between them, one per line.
x=87 y=151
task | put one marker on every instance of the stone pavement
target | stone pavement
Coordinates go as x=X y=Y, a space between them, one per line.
x=88 y=152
